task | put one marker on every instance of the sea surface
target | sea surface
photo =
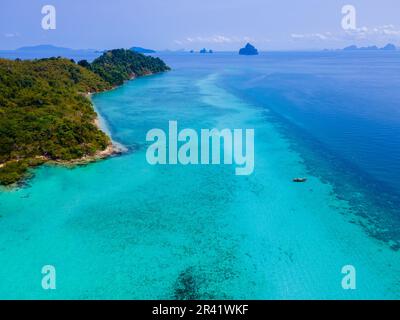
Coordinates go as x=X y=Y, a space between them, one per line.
x=121 y=228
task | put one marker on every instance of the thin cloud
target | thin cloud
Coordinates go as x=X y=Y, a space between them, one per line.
x=312 y=36
x=217 y=39
x=12 y=35
x=372 y=34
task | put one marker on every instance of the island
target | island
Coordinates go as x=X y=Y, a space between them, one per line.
x=248 y=50
x=46 y=114
x=388 y=47
x=204 y=50
x=48 y=51
x=350 y=48
x=45 y=49
x=142 y=50
x=355 y=48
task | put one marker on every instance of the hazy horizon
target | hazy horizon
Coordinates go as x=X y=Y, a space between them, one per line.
x=183 y=50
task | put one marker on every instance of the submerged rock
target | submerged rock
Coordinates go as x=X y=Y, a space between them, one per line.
x=300 y=180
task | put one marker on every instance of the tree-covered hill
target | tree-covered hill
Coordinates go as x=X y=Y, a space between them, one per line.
x=119 y=65
x=45 y=114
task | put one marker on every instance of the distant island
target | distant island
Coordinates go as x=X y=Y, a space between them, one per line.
x=142 y=50
x=47 y=49
x=248 y=50
x=43 y=48
x=388 y=47
x=45 y=113
x=204 y=50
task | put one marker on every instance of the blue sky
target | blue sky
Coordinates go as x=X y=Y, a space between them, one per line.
x=194 y=24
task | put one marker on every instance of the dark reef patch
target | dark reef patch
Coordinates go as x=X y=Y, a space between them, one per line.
x=186 y=287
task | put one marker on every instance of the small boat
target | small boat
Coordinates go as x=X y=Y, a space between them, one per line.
x=299 y=179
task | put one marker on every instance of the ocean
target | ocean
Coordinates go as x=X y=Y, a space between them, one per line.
x=123 y=229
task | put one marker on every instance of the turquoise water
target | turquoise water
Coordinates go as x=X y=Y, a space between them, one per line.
x=121 y=228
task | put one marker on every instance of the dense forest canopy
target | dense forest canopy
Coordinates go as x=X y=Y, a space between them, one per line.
x=45 y=113
x=117 y=66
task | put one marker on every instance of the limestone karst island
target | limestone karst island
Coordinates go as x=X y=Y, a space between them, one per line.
x=248 y=50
